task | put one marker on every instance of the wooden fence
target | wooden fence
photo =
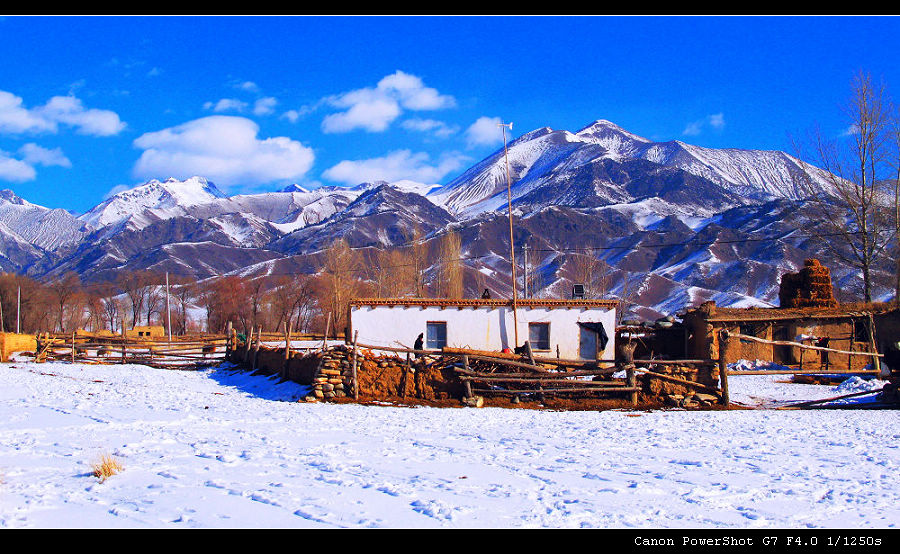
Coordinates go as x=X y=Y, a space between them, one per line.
x=181 y=352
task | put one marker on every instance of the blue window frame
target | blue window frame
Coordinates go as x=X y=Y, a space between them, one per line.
x=435 y=335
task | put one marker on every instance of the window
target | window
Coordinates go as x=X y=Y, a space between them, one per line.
x=861 y=330
x=435 y=335
x=539 y=336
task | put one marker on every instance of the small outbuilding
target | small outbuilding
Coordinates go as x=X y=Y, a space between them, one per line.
x=571 y=329
x=843 y=327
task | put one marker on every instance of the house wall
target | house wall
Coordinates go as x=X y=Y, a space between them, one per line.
x=703 y=342
x=13 y=342
x=480 y=328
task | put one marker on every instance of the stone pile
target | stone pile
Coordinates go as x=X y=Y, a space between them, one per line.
x=333 y=377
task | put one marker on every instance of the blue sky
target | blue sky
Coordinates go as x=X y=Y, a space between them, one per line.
x=90 y=105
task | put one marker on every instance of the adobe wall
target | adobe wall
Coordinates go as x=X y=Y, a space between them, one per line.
x=15 y=342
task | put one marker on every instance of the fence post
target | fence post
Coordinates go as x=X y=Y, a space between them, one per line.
x=287 y=348
x=353 y=368
x=876 y=363
x=632 y=383
x=247 y=340
x=723 y=368
x=256 y=346
x=468 y=384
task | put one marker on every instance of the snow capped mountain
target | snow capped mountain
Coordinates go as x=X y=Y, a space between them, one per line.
x=45 y=228
x=547 y=157
x=152 y=201
x=676 y=224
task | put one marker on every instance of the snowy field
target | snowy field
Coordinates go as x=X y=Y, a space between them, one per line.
x=216 y=448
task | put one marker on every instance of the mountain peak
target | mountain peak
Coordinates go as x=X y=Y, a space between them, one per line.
x=171 y=194
x=604 y=127
x=293 y=188
x=12 y=198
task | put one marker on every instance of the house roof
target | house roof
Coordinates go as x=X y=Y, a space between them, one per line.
x=844 y=311
x=485 y=302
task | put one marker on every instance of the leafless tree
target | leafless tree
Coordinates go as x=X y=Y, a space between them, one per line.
x=450 y=267
x=851 y=208
x=339 y=280
x=64 y=291
x=592 y=272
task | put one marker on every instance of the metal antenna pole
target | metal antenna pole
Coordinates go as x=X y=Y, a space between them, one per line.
x=525 y=271
x=512 y=248
x=168 y=312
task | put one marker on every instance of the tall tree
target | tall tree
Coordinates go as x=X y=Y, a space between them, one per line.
x=851 y=207
x=450 y=267
x=340 y=281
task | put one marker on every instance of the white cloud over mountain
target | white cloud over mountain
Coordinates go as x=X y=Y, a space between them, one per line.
x=395 y=166
x=373 y=109
x=226 y=149
x=484 y=132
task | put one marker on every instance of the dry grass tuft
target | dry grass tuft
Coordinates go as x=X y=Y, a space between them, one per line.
x=106 y=467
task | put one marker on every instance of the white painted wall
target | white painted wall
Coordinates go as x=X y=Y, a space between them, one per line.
x=481 y=328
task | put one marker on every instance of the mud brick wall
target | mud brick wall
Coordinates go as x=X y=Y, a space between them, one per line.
x=14 y=342
x=706 y=375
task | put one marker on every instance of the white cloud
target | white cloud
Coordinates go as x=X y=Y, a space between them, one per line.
x=395 y=166
x=265 y=106
x=716 y=121
x=226 y=105
x=373 y=115
x=249 y=86
x=34 y=154
x=433 y=126
x=484 y=132
x=21 y=169
x=374 y=109
x=225 y=149
x=17 y=171
x=68 y=110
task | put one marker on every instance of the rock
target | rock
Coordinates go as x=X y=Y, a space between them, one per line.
x=473 y=402
x=702 y=397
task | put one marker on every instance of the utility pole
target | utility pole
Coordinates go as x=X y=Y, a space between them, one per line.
x=168 y=312
x=525 y=271
x=512 y=248
x=18 y=307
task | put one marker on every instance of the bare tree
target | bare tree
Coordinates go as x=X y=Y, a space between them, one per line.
x=852 y=207
x=64 y=291
x=592 y=272
x=450 y=268
x=340 y=280
x=418 y=254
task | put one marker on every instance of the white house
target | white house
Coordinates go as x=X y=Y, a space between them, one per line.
x=570 y=329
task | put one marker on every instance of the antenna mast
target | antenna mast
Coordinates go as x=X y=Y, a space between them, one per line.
x=512 y=248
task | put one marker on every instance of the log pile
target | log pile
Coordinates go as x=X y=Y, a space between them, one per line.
x=809 y=288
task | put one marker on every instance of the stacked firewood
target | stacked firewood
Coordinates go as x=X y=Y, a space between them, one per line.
x=809 y=288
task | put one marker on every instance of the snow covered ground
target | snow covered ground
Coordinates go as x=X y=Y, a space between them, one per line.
x=218 y=448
